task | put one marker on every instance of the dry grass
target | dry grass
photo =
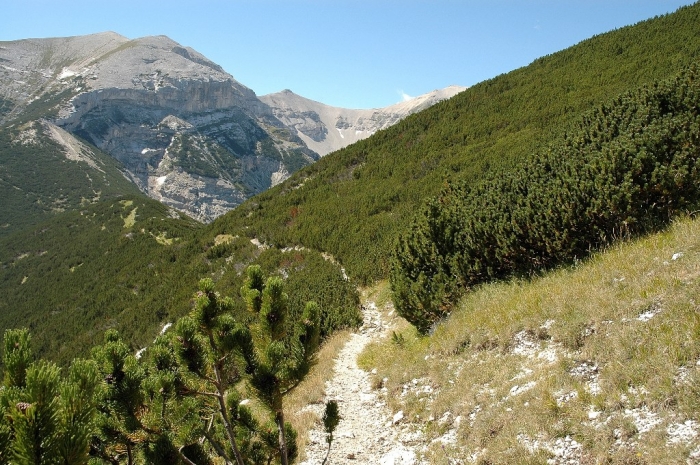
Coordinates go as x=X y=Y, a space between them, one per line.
x=599 y=359
x=312 y=390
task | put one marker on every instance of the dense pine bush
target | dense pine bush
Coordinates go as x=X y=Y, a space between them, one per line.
x=626 y=168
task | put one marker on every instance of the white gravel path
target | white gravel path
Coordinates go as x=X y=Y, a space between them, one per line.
x=367 y=433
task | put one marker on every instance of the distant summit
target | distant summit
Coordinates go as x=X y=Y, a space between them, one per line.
x=186 y=132
x=325 y=129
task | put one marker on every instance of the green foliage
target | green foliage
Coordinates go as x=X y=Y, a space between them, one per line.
x=37 y=181
x=210 y=342
x=253 y=287
x=277 y=360
x=46 y=419
x=78 y=396
x=121 y=400
x=83 y=272
x=627 y=168
x=35 y=421
x=331 y=418
x=16 y=357
x=353 y=203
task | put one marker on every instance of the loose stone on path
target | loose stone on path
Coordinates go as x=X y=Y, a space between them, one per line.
x=368 y=432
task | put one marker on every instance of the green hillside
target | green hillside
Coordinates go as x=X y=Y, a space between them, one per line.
x=353 y=203
x=516 y=180
x=627 y=168
x=88 y=268
x=594 y=363
x=110 y=264
x=38 y=180
x=131 y=264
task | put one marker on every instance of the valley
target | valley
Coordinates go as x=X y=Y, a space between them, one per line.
x=505 y=273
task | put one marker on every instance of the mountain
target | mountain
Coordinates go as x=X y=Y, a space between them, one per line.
x=186 y=132
x=325 y=129
x=596 y=362
x=349 y=205
x=354 y=202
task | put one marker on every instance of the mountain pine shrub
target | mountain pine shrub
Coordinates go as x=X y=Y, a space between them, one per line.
x=46 y=418
x=626 y=168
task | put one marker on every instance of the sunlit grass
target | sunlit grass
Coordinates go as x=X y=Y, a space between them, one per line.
x=609 y=338
x=312 y=389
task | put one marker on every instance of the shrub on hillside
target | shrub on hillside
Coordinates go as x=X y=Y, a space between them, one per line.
x=627 y=168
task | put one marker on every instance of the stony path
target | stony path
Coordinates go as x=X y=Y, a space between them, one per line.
x=368 y=432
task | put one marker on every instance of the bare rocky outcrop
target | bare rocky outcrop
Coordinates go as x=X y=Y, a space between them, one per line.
x=186 y=132
x=325 y=129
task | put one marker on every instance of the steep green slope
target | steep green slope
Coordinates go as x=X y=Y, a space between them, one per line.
x=38 y=180
x=353 y=202
x=111 y=264
x=627 y=168
x=132 y=264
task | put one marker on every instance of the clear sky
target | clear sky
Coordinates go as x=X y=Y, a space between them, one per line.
x=346 y=53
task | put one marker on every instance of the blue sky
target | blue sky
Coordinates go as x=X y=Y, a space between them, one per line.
x=347 y=53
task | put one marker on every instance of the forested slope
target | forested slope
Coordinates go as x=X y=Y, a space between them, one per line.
x=627 y=168
x=131 y=264
x=38 y=180
x=353 y=202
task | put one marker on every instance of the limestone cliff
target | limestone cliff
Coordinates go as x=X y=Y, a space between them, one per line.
x=186 y=132
x=325 y=129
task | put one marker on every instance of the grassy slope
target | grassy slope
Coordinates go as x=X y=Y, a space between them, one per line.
x=353 y=202
x=605 y=353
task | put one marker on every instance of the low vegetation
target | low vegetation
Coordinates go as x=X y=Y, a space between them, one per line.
x=595 y=362
x=626 y=169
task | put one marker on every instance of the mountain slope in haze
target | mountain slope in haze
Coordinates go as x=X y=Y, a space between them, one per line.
x=325 y=129
x=186 y=132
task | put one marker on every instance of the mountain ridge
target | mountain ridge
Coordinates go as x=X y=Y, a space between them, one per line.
x=325 y=128
x=186 y=132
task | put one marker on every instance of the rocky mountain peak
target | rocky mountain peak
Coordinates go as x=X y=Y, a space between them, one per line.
x=186 y=132
x=325 y=129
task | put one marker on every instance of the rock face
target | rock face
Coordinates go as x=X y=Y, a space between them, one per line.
x=186 y=132
x=325 y=129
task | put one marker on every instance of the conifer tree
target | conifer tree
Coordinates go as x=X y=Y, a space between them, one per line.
x=331 y=418
x=279 y=355
x=206 y=343
x=122 y=400
x=46 y=419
